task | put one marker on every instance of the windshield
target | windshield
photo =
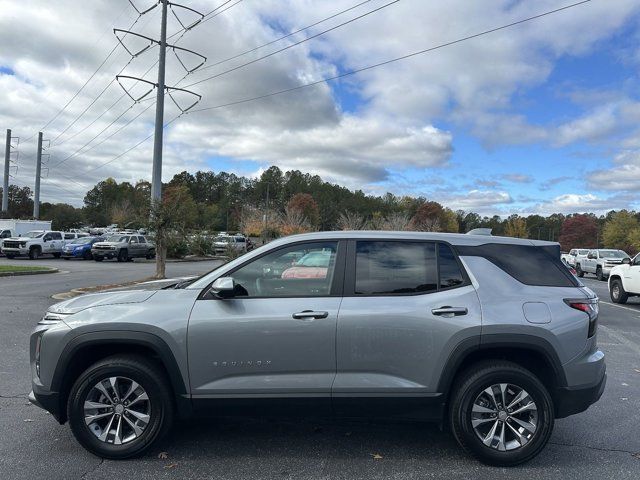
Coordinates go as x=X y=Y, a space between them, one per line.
x=583 y=252
x=613 y=254
x=82 y=241
x=34 y=234
x=222 y=239
x=116 y=238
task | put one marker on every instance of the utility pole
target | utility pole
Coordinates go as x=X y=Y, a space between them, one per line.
x=156 y=176
x=5 y=183
x=266 y=215
x=36 y=194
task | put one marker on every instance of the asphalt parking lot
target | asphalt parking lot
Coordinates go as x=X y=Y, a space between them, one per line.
x=602 y=442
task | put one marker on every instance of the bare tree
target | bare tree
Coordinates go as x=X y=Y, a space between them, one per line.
x=396 y=221
x=350 y=221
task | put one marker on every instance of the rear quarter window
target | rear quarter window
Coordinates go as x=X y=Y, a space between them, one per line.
x=529 y=264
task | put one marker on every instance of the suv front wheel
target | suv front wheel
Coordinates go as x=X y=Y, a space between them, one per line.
x=501 y=413
x=120 y=406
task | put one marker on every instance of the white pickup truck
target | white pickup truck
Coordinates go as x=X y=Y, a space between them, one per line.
x=10 y=228
x=34 y=244
x=624 y=280
x=575 y=256
x=600 y=262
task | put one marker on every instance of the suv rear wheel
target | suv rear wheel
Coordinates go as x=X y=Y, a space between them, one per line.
x=501 y=413
x=579 y=270
x=120 y=406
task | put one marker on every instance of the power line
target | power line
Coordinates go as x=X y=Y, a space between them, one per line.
x=337 y=14
x=238 y=67
x=351 y=72
x=85 y=83
x=393 y=60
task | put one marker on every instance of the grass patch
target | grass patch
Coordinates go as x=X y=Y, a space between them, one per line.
x=22 y=268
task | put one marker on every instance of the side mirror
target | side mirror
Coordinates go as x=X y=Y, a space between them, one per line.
x=626 y=261
x=223 y=287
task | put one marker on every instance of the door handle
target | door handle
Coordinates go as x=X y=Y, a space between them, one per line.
x=309 y=314
x=447 y=311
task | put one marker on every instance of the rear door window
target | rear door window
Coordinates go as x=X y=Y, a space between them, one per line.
x=395 y=268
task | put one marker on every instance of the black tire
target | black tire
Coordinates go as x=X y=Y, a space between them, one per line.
x=617 y=292
x=151 y=255
x=56 y=255
x=599 y=274
x=65 y=258
x=150 y=377
x=87 y=255
x=471 y=384
x=34 y=253
x=98 y=259
x=10 y=256
x=579 y=271
x=123 y=255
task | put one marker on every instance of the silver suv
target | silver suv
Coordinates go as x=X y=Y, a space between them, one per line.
x=492 y=336
x=123 y=248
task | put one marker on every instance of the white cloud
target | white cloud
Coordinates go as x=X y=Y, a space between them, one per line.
x=478 y=201
x=54 y=48
x=624 y=176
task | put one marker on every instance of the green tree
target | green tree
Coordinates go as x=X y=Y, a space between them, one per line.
x=516 y=227
x=618 y=230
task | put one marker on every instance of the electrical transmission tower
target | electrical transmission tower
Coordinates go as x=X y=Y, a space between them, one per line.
x=10 y=149
x=39 y=161
x=174 y=93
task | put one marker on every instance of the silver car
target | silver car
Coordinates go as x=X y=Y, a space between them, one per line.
x=491 y=335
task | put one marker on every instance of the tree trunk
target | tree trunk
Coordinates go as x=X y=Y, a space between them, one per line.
x=161 y=255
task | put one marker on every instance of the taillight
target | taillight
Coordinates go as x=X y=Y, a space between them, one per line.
x=588 y=306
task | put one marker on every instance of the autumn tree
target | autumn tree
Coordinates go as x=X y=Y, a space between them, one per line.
x=169 y=218
x=579 y=231
x=303 y=204
x=619 y=231
x=516 y=227
x=351 y=221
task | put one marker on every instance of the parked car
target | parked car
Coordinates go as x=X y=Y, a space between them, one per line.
x=80 y=248
x=123 y=248
x=311 y=265
x=576 y=255
x=223 y=242
x=624 y=280
x=491 y=335
x=600 y=262
x=34 y=244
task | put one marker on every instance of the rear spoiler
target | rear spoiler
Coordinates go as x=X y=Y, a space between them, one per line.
x=480 y=231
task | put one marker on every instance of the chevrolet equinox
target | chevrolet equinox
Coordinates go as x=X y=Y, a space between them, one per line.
x=492 y=337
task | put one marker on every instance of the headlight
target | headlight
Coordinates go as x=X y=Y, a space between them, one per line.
x=23 y=244
x=51 y=318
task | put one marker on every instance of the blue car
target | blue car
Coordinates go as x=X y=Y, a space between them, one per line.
x=80 y=248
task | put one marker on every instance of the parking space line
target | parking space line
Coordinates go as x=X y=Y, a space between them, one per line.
x=621 y=306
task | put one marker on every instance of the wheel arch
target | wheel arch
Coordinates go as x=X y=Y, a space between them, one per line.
x=89 y=348
x=531 y=352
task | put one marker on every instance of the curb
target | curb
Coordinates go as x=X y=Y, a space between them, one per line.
x=29 y=272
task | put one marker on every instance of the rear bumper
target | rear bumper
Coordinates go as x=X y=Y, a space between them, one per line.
x=572 y=400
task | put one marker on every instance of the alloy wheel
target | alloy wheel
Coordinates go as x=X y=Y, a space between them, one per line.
x=504 y=417
x=117 y=410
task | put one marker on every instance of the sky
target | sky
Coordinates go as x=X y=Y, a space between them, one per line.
x=542 y=117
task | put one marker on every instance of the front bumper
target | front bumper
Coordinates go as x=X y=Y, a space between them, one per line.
x=104 y=253
x=15 y=251
x=72 y=254
x=49 y=401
